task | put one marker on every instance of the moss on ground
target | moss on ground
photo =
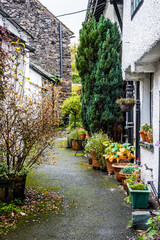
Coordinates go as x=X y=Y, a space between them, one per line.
x=40 y=181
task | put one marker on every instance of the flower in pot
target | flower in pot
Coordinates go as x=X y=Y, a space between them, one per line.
x=138 y=190
x=126 y=172
x=126 y=104
x=150 y=135
x=82 y=133
x=96 y=148
x=117 y=153
x=143 y=132
x=75 y=136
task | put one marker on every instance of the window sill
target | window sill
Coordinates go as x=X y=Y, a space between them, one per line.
x=148 y=146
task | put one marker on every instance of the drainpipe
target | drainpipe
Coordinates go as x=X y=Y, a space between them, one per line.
x=61 y=53
x=129 y=115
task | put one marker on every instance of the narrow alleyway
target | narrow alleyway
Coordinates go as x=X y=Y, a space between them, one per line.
x=94 y=205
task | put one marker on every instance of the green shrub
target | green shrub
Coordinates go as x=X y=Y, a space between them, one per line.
x=74 y=134
x=95 y=144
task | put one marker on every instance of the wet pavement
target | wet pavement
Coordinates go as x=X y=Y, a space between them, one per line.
x=94 y=204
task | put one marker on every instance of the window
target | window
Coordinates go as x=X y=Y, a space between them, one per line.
x=135 y=5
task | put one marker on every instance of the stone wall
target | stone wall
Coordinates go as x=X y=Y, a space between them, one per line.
x=44 y=27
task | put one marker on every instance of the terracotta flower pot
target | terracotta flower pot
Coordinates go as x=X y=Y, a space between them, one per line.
x=76 y=144
x=146 y=136
x=117 y=168
x=142 y=135
x=95 y=161
x=123 y=176
x=150 y=137
x=82 y=136
x=110 y=169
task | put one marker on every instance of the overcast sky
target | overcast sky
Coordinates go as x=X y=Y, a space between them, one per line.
x=73 y=22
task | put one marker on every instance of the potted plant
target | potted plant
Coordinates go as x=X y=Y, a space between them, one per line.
x=138 y=190
x=126 y=172
x=150 y=135
x=143 y=132
x=126 y=104
x=82 y=133
x=75 y=136
x=117 y=156
x=96 y=148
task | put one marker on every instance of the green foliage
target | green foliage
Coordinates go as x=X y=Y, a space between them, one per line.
x=126 y=100
x=81 y=130
x=154 y=225
x=135 y=182
x=8 y=209
x=95 y=144
x=75 y=76
x=128 y=170
x=98 y=63
x=75 y=134
x=118 y=152
x=5 y=173
x=145 y=127
x=3 y=170
x=72 y=106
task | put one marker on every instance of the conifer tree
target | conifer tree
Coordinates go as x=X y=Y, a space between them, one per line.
x=100 y=70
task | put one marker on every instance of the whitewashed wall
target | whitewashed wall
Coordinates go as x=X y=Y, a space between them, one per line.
x=141 y=33
x=151 y=159
x=17 y=32
x=33 y=84
x=110 y=13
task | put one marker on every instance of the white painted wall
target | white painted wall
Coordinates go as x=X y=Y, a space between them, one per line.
x=33 y=84
x=151 y=159
x=110 y=13
x=17 y=32
x=141 y=33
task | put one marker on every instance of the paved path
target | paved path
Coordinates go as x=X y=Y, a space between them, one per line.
x=94 y=210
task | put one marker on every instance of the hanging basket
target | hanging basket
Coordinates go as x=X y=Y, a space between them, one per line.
x=126 y=107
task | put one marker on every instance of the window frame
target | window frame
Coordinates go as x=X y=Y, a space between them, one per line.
x=138 y=5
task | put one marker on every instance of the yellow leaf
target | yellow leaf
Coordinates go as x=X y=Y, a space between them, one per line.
x=48 y=154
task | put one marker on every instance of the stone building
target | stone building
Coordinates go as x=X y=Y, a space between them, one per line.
x=51 y=37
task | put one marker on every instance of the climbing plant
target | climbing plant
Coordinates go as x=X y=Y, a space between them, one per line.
x=98 y=63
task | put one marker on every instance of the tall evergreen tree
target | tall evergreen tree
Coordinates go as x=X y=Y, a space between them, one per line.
x=101 y=74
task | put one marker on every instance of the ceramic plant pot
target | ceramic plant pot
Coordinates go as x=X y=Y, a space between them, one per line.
x=142 y=136
x=110 y=169
x=123 y=176
x=82 y=136
x=139 y=198
x=76 y=144
x=95 y=162
x=146 y=136
x=117 y=168
x=150 y=137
